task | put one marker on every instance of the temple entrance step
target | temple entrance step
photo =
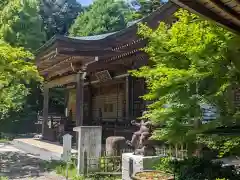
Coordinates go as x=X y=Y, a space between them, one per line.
x=45 y=150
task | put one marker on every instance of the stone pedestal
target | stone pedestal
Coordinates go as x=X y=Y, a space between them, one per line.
x=139 y=163
x=90 y=143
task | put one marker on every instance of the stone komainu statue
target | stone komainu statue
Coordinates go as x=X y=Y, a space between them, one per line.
x=140 y=139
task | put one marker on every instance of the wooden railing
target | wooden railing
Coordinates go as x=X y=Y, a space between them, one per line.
x=54 y=119
x=110 y=126
x=113 y=122
x=53 y=129
x=115 y=127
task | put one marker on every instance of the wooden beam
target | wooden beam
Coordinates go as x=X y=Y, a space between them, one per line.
x=68 y=68
x=99 y=66
x=60 y=72
x=90 y=53
x=67 y=60
x=70 y=64
x=201 y=10
x=219 y=9
x=232 y=4
x=62 y=81
x=46 y=57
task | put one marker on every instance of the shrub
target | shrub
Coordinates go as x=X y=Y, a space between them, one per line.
x=166 y=165
x=3 y=178
x=197 y=169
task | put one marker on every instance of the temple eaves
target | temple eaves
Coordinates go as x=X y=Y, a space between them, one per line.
x=224 y=12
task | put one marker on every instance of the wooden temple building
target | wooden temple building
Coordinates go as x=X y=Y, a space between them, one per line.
x=94 y=71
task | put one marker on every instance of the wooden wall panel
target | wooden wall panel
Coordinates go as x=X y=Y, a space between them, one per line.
x=111 y=102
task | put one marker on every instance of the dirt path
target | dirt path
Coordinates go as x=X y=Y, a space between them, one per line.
x=18 y=165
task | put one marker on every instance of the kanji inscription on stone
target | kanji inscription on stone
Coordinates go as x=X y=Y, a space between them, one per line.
x=90 y=142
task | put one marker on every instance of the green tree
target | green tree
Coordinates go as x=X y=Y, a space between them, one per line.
x=146 y=7
x=194 y=62
x=21 y=24
x=103 y=16
x=3 y=3
x=58 y=15
x=16 y=71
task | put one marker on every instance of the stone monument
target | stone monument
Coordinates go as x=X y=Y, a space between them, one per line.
x=144 y=154
x=115 y=145
x=89 y=142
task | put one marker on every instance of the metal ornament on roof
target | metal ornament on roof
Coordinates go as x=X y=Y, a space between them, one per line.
x=126 y=45
x=122 y=55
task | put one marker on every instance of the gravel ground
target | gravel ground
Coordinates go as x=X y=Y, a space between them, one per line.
x=18 y=165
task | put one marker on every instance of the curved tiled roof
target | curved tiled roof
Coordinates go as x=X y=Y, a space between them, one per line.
x=131 y=28
x=102 y=36
x=131 y=23
x=92 y=38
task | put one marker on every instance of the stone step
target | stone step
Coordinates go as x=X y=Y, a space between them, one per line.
x=43 y=150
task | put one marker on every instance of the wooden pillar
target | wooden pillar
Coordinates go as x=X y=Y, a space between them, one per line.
x=132 y=98
x=45 y=111
x=90 y=104
x=79 y=97
x=66 y=100
x=117 y=101
x=128 y=97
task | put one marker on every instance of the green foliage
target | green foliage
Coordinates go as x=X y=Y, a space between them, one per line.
x=3 y=178
x=58 y=15
x=16 y=71
x=3 y=3
x=95 y=177
x=3 y=141
x=23 y=120
x=4 y=138
x=21 y=24
x=60 y=168
x=72 y=171
x=22 y=27
x=190 y=65
x=146 y=7
x=197 y=169
x=224 y=145
x=165 y=164
x=103 y=16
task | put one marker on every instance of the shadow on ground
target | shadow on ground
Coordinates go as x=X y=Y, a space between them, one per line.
x=17 y=165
